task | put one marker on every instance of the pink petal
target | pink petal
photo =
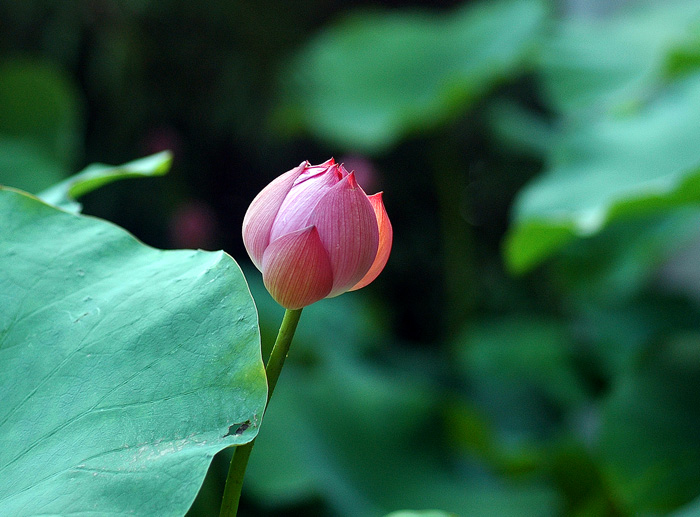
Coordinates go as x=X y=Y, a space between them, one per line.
x=348 y=230
x=309 y=187
x=258 y=220
x=343 y=171
x=296 y=269
x=386 y=237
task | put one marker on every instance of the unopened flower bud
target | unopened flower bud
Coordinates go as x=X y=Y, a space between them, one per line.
x=314 y=233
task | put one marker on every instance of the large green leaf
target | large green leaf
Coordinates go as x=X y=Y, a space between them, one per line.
x=373 y=77
x=622 y=164
x=124 y=368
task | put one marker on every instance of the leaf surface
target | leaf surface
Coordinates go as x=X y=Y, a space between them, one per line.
x=124 y=368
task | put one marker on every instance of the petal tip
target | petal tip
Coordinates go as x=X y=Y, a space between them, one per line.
x=352 y=180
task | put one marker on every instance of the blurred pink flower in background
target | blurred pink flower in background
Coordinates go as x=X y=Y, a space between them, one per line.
x=162 y=138
x=193 y=225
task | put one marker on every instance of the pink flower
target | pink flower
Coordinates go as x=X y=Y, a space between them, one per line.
x=314 y=233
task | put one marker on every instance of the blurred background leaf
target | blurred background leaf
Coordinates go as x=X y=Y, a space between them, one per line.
x=618 y=165
x=40 y=123
x=390 y=74
x=600 y=64
x=638 y=446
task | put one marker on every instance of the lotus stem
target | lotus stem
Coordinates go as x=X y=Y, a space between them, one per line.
x=239 y=461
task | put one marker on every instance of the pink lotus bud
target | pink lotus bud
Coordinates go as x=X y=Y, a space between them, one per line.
x=314 y=233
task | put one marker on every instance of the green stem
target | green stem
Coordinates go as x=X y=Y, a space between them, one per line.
x=239 y=462
x=281 y=349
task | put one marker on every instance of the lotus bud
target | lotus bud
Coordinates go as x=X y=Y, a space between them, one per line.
x=314 y=234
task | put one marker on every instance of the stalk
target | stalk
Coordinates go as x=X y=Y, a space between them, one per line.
x=239 y=462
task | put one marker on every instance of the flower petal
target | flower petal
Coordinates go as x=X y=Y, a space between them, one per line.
x=343 y=171
x=261 y=214
x=348 y=230
x=296 y=269
x=309 y=187
x=386 y=237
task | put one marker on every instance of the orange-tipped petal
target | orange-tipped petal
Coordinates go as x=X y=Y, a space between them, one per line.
x=386 y=237
x=296 y=269
x=261 y=214
x=348 y=230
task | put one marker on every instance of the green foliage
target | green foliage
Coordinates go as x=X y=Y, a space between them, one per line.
x=125 y=368
x=371 y=415
x=373 y=78
x=611 y=63
x=369 y=418
x=524 y=351
x=96 y=175
x=691 y=510
x=40 y=124
x=614 y=166
x=616 y=265
x=512 y=136
x=638 y=445
x=629 y=143
x=40 y=105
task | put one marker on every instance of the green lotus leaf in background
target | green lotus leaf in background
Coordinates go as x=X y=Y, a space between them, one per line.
x=611 y=62
x=341 y=436
x=530 y=352
x=124 y=368
x=625 y=164
x=617 y=264
x=627 y=87
x=385 y=75
x=40 y=124
x=41 y=104
x=28 y=166
x=649 y=450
